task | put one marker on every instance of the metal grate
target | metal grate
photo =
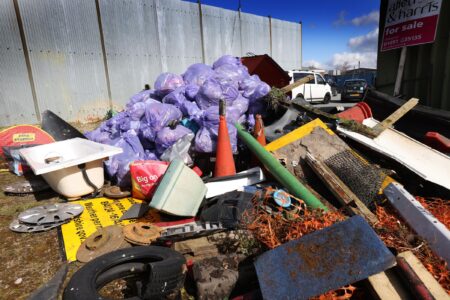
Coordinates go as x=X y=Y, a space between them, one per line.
x=362 y=178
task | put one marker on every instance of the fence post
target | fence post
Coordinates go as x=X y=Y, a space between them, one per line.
x=202 y=37
x=270 y=34
x=27 y=61
x=105 y=60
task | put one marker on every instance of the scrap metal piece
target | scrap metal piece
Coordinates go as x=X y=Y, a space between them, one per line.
x=341 y=191
x=191 y=229
x=421 y=220
x=324 y=260
x=26 y=187
x=50 y=214
x=17 y=226
x=362 y=178
x=141 y=233
x=116 y=192
x=104 y=240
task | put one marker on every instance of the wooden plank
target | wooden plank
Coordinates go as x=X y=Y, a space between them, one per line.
x=396 y=115
x=387 y=286
x=299 y=82
x=345 y=196
x=434 y=288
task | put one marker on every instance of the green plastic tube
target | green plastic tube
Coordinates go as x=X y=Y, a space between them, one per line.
x=288 y=180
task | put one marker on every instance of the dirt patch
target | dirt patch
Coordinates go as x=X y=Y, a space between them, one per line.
x=28 y=258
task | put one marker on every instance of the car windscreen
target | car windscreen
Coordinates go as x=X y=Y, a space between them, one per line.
x=355 y=83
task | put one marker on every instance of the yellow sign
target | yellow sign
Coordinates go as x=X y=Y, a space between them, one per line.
x=297 y=134
x=98 y=213
x=24 y=137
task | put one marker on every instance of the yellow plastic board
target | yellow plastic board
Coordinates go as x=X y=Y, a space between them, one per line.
x=99 y=212
x=297 y=134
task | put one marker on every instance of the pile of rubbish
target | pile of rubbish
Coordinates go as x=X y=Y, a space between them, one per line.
x=314 y=206
x=179 y=107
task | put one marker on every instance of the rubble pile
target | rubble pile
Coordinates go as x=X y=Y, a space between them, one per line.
x=181 y=195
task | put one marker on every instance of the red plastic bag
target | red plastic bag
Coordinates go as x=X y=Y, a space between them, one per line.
x=145 y=177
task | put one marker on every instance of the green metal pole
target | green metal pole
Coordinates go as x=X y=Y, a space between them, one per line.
x=288 y=180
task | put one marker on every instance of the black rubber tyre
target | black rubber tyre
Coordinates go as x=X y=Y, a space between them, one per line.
x=163 y=270
x=327 y=98
x=300 y=95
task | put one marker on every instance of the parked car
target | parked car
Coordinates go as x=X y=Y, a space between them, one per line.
x=316 y=90
x=354 y=90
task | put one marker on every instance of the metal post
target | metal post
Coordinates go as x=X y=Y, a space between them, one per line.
x=270 y=34
x=401 y=66
x=301 y=45
x=27 y=60
x=202 y=37
x=105 y=60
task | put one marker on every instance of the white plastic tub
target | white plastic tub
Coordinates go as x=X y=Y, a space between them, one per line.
x=58 y=164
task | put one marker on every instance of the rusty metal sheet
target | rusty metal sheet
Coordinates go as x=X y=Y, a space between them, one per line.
x=64 y=46
x=16 y=100
x=324 y=260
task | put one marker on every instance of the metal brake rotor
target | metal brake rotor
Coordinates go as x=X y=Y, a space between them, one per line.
x=17 y=226
x=103 y=241
x=49 y=214
x=141 y=233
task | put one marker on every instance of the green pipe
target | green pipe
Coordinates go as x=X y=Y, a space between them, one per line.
x=288 y=180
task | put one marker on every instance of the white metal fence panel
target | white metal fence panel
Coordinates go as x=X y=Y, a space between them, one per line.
x=132 y=46
x=286 y=48
x=16 y=101
x=255 y=34
x=66 y=59
x=221 y=31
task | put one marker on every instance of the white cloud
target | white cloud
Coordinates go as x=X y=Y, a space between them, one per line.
x=366 y=59
x=314 y=63
x=367 y=42
x=371 y=18
x=341 y=19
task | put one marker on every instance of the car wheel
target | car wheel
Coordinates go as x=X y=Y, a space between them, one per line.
x=161 y=271
x=327 y=98
x=300 y=95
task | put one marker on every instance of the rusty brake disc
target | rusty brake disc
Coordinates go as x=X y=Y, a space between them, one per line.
x=141 y=233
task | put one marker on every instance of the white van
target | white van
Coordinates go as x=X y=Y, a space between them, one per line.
x=316 y=90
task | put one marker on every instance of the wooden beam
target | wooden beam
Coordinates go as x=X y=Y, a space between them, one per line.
x=396 y=115
x=299 y=82
x=342 y=192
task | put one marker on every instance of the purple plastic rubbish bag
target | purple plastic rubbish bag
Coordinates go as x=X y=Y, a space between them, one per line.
x=167 y=82
x=197 y=74
x=191 y=91
x=227 y=60
x=176 y=97
x=159 y=115
x=167 y=136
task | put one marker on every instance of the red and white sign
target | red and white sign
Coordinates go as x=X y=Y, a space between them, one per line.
x=410 y=22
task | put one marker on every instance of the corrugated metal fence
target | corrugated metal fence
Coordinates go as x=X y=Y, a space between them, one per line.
x=78 y=58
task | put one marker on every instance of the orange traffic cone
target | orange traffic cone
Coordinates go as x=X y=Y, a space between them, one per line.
x=258 y=130
x=224 y=155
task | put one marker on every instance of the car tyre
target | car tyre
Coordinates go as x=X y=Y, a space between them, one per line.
x=327 y=98
x=162 y=270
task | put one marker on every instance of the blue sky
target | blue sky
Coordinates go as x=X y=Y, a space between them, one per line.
x=334 y=31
